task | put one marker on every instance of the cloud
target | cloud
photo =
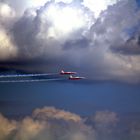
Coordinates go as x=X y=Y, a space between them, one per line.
x=43 y=32
x=105 y=123
x=131 y=47
x=106 y=117
x=6 y=128
x=7 y=48
x=6 y=11
x=70 y=35
x=47 y=123
x=98 y=6
x=52 y=113
x=20 y=6
x=28 y=129
x=51 y=123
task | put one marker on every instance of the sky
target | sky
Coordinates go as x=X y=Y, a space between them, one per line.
x=98 y=39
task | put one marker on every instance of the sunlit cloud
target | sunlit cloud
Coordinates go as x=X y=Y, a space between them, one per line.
x=98 y=6
x=7 y=48
x=6 y=11
x=36 y=3
x=51 y=123
x=46 y=123
x=64 y=20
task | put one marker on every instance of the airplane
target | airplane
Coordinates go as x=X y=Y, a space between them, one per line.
x=66 y=73
x=75 y=78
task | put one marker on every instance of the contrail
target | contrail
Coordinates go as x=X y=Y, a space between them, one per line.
x=27 y=81
x=27 y=75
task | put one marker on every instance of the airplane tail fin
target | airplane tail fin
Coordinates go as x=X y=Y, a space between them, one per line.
x=62 y=71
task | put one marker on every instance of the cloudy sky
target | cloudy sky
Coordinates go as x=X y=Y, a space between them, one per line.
x=51 y=124
x=100 y=39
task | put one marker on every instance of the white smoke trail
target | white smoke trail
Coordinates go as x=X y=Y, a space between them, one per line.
x=28 y=81
x=27 y=75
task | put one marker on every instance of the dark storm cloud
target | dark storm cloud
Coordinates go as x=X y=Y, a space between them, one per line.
x=94 y=46
x=131 y=47
x=24 y=32
x=31 y=31
x=75 y=44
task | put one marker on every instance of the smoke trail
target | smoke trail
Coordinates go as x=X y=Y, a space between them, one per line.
x=27 y=75
x=28 y=81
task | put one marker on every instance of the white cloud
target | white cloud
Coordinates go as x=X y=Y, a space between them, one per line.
x=98 y=6
x=6 y=11
x=7 y=48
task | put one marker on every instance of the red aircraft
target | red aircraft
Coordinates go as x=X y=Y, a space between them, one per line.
x=66 y=73
x=75 y=78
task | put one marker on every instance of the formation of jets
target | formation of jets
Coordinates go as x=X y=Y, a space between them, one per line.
x=16 y=76
x=70 y=75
